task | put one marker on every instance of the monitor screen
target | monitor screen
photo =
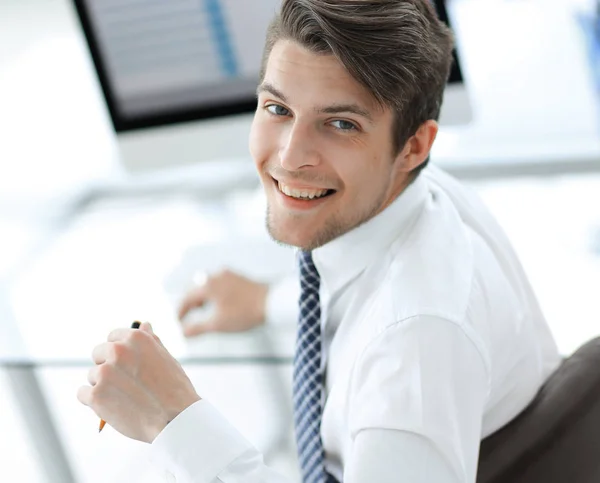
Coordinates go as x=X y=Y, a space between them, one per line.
x=164 y=62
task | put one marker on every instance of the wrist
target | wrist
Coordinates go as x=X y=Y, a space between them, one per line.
x=260 y=308
x=170 y=413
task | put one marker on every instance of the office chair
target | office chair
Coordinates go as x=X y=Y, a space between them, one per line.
x=556 y=439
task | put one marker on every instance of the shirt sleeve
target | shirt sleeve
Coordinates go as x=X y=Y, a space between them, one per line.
x=282 y=301
x=389 y=456
x=417 y=400
x=201 y=446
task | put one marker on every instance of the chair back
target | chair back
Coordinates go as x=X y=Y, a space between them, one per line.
x=556 y=439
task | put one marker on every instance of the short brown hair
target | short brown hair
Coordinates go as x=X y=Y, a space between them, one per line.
x=398 y=49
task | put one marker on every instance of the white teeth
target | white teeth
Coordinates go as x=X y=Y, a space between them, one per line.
x=301 y=194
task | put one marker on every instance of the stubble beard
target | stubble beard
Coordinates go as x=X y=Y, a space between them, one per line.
x=333 y=228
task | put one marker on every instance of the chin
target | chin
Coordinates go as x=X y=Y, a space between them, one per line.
x=291 y=234
x=288 y=232
x=306 y=233
x=294 y=237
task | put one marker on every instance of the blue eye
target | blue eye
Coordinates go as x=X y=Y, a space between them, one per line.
x=344 y=125
x=277 y=110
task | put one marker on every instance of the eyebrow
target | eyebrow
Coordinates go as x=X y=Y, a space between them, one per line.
x=351 y=108
x=266 y=87
x=333 y=109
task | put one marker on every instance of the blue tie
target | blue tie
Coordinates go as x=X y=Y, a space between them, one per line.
x=308 y=379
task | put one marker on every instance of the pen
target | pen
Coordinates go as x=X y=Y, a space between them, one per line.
x=135 y=325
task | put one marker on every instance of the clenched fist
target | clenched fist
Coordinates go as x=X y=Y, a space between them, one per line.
x=136 y=386
x=239 y=304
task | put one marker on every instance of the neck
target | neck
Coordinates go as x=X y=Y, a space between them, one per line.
x=397 y=188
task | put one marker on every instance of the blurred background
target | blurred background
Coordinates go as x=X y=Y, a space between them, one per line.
x=125 y=178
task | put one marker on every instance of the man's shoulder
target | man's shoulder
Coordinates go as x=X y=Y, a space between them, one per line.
x=431 y=269
x=430 y=272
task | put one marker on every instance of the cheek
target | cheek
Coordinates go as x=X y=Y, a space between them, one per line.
x=362 y=176
x=355 y=171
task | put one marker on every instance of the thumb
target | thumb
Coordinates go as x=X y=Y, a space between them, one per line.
x=196 y=298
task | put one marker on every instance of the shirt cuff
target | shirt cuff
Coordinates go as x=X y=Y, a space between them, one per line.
x=198 y=445
x=282 y=301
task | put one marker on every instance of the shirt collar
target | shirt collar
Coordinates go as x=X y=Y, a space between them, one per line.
x=345 y=257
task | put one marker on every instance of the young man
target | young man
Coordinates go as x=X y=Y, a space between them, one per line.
x=418 y=333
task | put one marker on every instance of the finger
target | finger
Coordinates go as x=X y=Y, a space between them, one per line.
x=118 y=334
x=147 y=327
x=101 y=352
x=192 y=330
x=84 y=395
x=196 y=298
x=92 y=376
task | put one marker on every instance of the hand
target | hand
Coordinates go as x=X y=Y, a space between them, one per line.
x=239 y=304
x=137 y=387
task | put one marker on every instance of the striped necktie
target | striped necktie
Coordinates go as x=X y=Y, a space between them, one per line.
x=308 y=377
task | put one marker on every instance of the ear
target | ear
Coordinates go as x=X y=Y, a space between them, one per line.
x=417 y=148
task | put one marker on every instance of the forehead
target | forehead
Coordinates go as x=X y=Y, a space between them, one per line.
x=297 y=71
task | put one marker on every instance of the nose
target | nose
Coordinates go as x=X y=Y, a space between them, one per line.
x=299 y=148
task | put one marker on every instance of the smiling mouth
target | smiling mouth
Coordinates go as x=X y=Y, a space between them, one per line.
x=305 y=194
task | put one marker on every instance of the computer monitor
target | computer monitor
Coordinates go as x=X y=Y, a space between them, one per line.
x=179 y=76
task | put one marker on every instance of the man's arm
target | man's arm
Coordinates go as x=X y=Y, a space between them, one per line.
x=417 y=399
x=388 y=456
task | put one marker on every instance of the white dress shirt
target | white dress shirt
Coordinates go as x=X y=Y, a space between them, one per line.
x=432 y=340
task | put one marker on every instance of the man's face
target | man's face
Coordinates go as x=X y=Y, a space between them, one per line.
x=322 y=146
